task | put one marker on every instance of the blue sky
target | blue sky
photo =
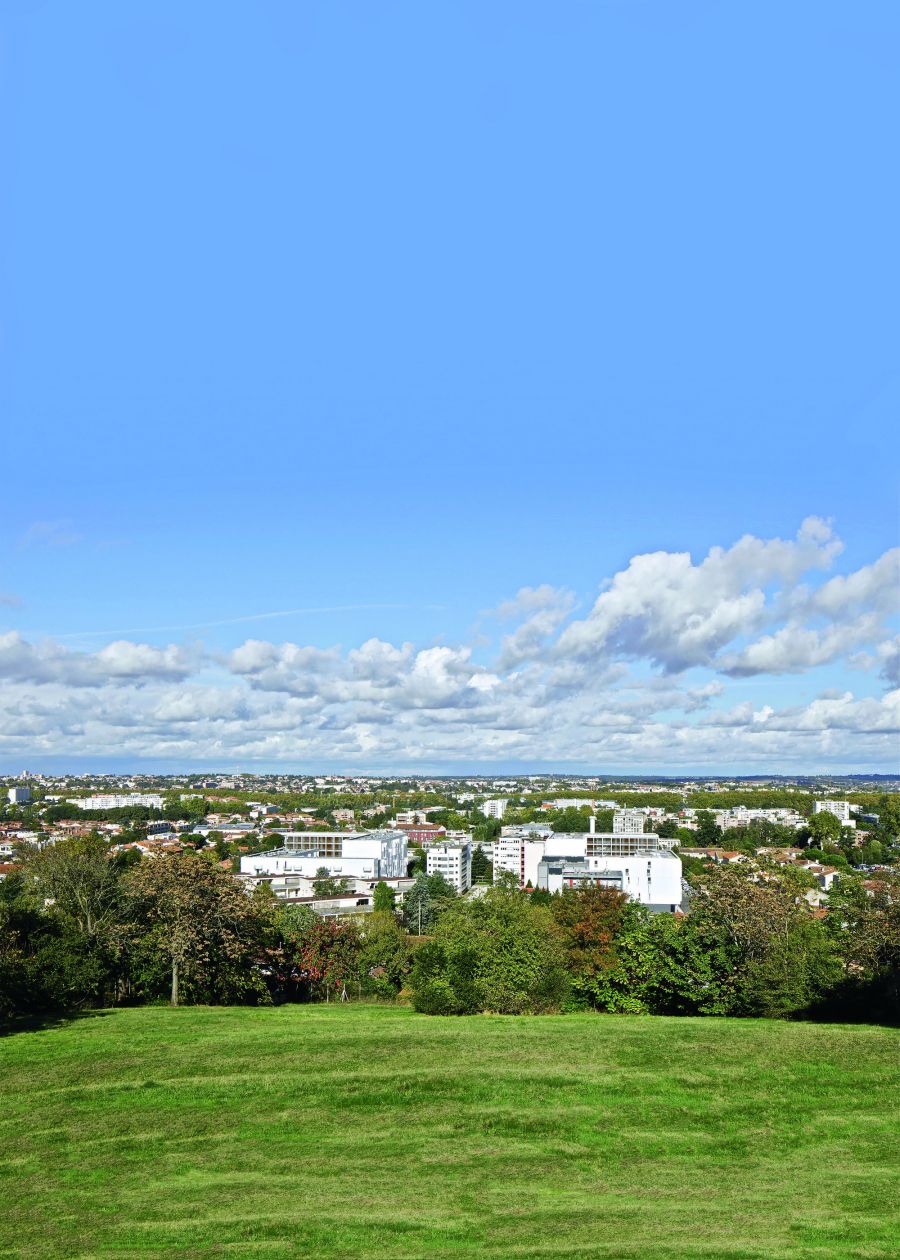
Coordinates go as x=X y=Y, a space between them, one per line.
x=386 y=312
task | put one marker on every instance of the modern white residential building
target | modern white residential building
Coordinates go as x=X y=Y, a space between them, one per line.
x=582 y=802
x=18 y=795
x=628 y=822
x=453 y=861
x=840 y=809
x=495 y=808
x=741 y=816
x=117 y=801
x=653 y=877
x=354 y=855
x=641 y=866
x=518 y=855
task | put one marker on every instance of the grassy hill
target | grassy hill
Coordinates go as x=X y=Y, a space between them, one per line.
x=374 y=1132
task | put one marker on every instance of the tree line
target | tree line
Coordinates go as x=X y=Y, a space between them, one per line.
x=83 y=926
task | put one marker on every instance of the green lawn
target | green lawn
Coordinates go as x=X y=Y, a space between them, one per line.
x=366 y=1131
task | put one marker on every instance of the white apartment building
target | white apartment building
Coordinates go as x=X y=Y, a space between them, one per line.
x=653 y=878
x=518 y=855
x=628 y=822
x=638 y=865
x=118 y=801
x=581 y=802
x=495 y=808
x=410 y=817
x=840 y=809
x=453 y=861
x=18 y=795
x=741 y=816
x=349 y=855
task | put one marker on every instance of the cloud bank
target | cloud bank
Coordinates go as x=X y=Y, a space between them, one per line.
x=650 y=674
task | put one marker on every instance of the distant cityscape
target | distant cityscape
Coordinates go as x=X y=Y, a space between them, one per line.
x=328 y=840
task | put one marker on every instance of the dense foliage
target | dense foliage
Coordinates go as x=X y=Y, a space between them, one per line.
x=83 y=926
x=499 y=952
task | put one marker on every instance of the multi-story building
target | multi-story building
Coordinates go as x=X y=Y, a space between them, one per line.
x=355 y=855
x=453 y=861
x=519 y=855
x=423 y=834
x=118 y=801
x=840 y=809
x=495 y=808
x=18 y=795
x=628 y=822
x=641 y=866
x=741 y=816
x=581 y=802
x=635 y=865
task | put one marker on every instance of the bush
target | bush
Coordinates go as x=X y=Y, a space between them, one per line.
x=500 y=953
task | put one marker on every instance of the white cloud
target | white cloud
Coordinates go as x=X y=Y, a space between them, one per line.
x=645 y=678
x=676 y=614
x=795 y=648
x=50 y=662
x=889 y=656
x=875 y=586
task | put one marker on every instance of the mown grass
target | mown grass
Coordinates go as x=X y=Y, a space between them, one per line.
x=374 y=1132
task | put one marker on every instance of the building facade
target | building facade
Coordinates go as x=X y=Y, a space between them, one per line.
x=840 y=809
x=640 y=866
x=453 y=861
x=345 y=855
x=118 y=801
x=628 y=822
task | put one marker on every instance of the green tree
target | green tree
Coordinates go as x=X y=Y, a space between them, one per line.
x=864 y=924
x=425 y=902
x=572 y=819
x=486 y=829
x=384 y=954
x=204 y=924
x=589 y=919
x=774 y=958
x=384 y=899
x=497 y=953
x=482 y=868
x=824 y=829
x=888 y=817
x=709 y=833
x=324 y=885
x=80 y=878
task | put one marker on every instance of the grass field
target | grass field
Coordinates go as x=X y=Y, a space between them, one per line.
x=374 y=1132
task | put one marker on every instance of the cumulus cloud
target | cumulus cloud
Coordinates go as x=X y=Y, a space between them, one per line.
x=795 y=648
x=50 y=662
x=649 y=676
x=545 y=609
x=874 y=586
x=283 y=667
x=533 y=599
x=677 y=614
x=889 y=657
